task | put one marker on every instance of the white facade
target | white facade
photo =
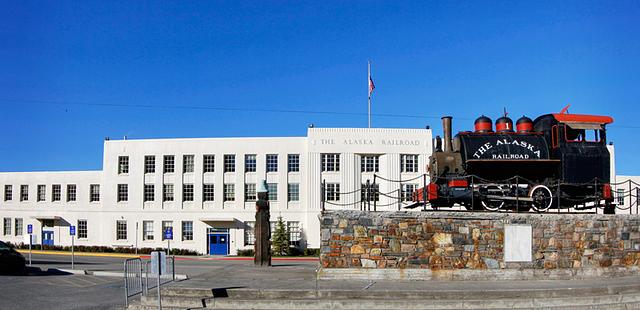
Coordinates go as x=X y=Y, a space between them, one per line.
x=332 y=155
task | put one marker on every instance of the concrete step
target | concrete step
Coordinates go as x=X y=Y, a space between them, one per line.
x=608 y=301
x=604 y=301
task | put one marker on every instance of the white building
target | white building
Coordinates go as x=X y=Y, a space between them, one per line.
x=205 y=188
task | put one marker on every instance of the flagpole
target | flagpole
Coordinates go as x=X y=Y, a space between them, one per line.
x=369 y=90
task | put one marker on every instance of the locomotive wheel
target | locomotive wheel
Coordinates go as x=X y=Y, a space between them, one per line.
x=542 y=198
x=492 y=205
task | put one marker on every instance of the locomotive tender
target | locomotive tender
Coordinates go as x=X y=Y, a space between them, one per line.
x=559 y=160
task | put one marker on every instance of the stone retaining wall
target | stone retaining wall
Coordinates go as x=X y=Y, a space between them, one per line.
x=439 y=244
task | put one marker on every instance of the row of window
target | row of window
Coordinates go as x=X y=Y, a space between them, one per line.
x=208 y=163
x=56 y=192
x=168 y=192
x=369 y=163
x=330 y=162
x=148 y=232
x=372 y=193
x=82 y=230
x=293 y=227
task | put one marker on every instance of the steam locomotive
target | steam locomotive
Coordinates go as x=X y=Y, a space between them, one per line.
x=559 y=160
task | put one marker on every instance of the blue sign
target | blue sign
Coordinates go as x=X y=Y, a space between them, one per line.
x=168 y=233
x=72 y=230
x=29 y=229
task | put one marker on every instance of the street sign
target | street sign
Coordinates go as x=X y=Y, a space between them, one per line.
x=29 y=229
x=72 y=230
x=168 y=233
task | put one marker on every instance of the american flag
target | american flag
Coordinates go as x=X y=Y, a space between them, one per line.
x=371 y=86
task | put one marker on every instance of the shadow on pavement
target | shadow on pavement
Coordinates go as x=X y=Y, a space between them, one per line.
x=57 y=262
x=222 y=291
x=34 y=271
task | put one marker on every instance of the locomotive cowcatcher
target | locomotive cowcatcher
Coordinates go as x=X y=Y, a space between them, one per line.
x=558 y=160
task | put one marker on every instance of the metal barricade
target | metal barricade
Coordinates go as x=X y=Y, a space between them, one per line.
x=132 y=278
x=164 y=279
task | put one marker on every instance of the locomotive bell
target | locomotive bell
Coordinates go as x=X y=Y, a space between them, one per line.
x=483 y=124
x=504 y=124
x=524 y=125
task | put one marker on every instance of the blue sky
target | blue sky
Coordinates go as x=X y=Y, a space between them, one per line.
x=72 y=73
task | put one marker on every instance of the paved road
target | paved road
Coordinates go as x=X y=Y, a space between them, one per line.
x=45 y=290
x=54 y=290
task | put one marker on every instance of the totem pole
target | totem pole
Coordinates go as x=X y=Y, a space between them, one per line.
x=262 y=247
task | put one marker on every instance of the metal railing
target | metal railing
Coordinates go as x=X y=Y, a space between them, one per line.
x=164 y=279
x=132 y=278
x=135 y=269
x=369 y=197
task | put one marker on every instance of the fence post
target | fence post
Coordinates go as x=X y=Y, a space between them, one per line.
x=472 y=194
x=631 y=196
x=400 y=197
x=424 y=192
x=377 y=195
x=322 y=190
x=518 y=195
x=126 y=286
x=368 y=196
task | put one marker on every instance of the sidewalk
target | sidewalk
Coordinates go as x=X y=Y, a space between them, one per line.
x=146 y=256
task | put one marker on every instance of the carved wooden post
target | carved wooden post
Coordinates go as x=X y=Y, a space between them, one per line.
x=262 y=247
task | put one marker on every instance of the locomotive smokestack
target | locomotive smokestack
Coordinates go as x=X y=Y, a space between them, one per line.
x=446 y=128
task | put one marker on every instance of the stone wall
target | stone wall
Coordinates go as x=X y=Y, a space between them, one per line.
x=562 y=245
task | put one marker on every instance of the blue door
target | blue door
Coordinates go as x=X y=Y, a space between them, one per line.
x=218 y=244
x=47 y=238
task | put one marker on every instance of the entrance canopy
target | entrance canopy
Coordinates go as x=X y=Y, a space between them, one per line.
x=219 y=219
x=46 y=217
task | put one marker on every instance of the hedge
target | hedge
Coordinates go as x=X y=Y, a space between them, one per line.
x=103 y=249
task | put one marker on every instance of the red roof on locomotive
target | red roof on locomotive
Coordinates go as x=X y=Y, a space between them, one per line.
x=582 y=118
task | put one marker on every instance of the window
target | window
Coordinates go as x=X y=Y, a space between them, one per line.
x=293 y=161
x=187 y=230
x=581 y=135
x=47 y=223
x=250 y=163
x=149 y=192
x=83 y=230
x=24 y=192
x=147 y=230
x=187 y=192
x=42 y=192
x=7 y=226
x=370 y=163
x=123 y=192
x=169 y=164
x=229 y=163
x=123 y=164
x=407 y=191
x=56 y=192
x=167 y=192
x=293 y=192
x=71 y=192
x=229 y=192
x=272 y=162
x=207 y=192
x=409 y=163
x=149 y=164
x=331 y=192
x=273 y=191
x=374 y=192
x=121 y=230
x=165 y=225
x=294 y=232
x=250 y=192
x=8 y=193
x=18 y=227
x=188 y=163
x=249 y=233
x=330 y=162
x=94 y=192
x=208 y=163
x=620 y=196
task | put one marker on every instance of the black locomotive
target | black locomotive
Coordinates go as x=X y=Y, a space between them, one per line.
x=558 y=160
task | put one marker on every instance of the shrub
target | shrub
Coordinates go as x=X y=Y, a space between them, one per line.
x=248 y=252
x=103 y=249
x=311 y=252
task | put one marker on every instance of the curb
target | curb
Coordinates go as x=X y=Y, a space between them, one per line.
x=146 y=256
x=119 y=255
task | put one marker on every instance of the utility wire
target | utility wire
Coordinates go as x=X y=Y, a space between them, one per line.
x=192 y=107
